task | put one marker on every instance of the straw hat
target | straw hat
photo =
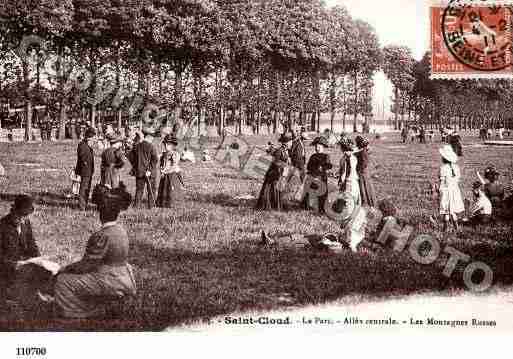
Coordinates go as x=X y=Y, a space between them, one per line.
x=321 y=141
x=448 y=153
x=285 y=137
x=170 y=138
x=112 y=138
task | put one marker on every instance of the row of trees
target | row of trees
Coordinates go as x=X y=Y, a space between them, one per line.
x=245 y=61
x=467 y=104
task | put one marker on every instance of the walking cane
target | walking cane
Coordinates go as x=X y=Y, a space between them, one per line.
x=150 y=191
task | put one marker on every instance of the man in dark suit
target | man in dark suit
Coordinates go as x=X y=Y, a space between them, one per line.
x=85 y=166
x=144 y=160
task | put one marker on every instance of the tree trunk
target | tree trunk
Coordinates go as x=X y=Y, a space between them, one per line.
x=178 y=91
x=333 y=94
x=28 y=102
x=396 y=108
x=355 y=129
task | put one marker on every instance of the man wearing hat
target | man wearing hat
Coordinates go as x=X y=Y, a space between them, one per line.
x=113 y=160
x=144 y=160
x=85 y=166
x=17 y=244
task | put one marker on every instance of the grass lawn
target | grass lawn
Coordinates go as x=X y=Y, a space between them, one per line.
x=200 y=259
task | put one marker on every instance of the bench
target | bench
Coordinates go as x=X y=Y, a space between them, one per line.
x=18 y=135
x=4 y=135
x=36 y=135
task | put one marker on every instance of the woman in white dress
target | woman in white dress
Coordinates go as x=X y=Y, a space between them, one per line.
x=348 y=175
x=451 y=200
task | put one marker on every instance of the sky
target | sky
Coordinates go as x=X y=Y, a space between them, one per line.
x=398 y=22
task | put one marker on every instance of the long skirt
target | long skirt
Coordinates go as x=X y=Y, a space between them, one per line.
x=367 y=197
x=82 y=295
x=270 y=197
x=109 y=176
x=170 y=190
x=451 y=200
x=315 y=199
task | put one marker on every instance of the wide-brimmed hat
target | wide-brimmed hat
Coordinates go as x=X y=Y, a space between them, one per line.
x=345 y=143
x=90 y=133
x=116 y=199
x=113 y=138
x=361 y=141
x=320 y=141
x=148 y=131
x=23 y=205
x=286 y=137
x=171 y=139
x=448 y=153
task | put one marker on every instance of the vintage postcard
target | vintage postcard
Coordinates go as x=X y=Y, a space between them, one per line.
x=183 y=170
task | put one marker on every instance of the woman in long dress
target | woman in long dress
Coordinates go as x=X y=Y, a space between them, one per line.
x=272 y=194
x=103 y=273
x=171 y=182
x=113 y=160
x=348 y=174
x=367 y=197
x=317 y=175
x=451 y=201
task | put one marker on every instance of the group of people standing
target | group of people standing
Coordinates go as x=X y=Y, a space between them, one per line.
x=289 y=162
x=146 y=167
x=103 y=274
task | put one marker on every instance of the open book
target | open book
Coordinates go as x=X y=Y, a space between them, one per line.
x=50 y=266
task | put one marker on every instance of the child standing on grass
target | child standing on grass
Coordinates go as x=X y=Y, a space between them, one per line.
x=348 y=175
x=171 y=182
x=367 y=197
x=451 y=201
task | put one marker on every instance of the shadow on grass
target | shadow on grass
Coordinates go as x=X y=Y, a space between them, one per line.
x=46 y=199
x=223 y=200
x=177 y=287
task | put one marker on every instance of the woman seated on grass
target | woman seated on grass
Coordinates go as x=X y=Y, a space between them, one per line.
x=104 y=272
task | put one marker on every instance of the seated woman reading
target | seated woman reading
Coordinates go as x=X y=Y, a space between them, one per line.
x=20 y=281
x=104 y=272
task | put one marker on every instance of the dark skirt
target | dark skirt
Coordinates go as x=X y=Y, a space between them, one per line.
x=270 y=197
x=170 y=190
x=321 y=200
x=366 y=191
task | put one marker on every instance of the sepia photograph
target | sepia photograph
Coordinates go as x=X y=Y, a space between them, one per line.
x=242 y=166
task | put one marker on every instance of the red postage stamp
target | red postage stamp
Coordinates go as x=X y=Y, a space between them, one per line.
x=471 y=40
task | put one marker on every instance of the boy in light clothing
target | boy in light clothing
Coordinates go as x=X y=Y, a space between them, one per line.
x=481 y=209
